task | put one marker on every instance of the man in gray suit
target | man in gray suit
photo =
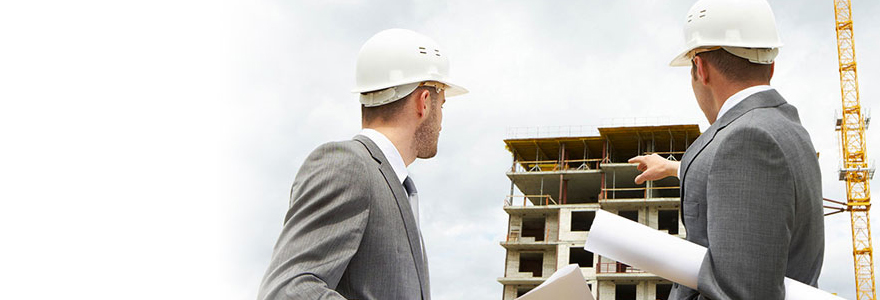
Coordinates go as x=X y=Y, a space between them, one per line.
x=751 y=187
x=352 y=229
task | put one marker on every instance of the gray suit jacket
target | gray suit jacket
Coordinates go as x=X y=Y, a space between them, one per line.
x=752 y=194
x=349 y=232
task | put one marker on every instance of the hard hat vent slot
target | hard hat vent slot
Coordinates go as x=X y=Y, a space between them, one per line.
x=436 y=52
x=690 y=18
x=422 y=50
x=702 y=13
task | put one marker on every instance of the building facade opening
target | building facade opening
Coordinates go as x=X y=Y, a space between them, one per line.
x=625 y=292
x=533 y=227
x=582 y=220
x=581 y=257
x=532 y=262
x=668 y=220
x=630 y=214
x=663 y=291
x=523 y=290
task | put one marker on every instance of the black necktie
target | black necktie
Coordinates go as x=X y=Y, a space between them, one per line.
x=413 y=197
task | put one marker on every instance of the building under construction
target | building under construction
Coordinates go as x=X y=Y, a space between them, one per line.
x=562 y=181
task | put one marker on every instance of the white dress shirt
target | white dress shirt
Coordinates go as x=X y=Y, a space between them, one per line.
x=739 y=97
x=393 y=155
x=733 y=100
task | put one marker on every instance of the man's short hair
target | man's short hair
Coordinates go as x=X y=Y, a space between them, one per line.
x=391 y=110
x=735 y=68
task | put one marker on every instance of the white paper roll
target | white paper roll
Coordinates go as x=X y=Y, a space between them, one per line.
x=567 y=283
x=666 y=256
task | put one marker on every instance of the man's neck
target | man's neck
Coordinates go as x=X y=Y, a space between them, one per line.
x=723 y=92
x=401 y=138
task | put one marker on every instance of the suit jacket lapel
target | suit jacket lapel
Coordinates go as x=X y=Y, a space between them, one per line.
x=695 y=150
x=409 y=221
x=690 y=154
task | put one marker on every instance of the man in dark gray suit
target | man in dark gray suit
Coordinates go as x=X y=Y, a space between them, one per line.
x=751 y=187
x=352 y=229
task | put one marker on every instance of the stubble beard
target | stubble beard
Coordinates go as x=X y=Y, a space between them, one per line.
x=427 y=135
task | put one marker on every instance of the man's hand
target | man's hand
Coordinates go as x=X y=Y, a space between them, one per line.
x=654 y=167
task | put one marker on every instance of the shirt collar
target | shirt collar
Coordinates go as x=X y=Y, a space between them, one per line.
x=739 y=97
x=389 y=151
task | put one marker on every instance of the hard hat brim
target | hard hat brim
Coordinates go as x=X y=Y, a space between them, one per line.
x=681 y=60
x=453 y=90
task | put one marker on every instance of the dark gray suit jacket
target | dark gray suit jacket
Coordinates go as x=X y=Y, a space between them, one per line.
x=752 y=194
x=349 y=232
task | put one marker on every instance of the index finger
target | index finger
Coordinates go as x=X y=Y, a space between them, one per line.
x=637 y=159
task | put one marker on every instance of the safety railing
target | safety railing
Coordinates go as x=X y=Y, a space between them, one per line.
x=585 y=130
x=552 y=131
x=644 y=190
x=555 y=165
x=615 y=268
x=544 y=200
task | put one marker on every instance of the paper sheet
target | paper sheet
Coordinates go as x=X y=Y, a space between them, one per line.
x=567 y=283
x=667 y=256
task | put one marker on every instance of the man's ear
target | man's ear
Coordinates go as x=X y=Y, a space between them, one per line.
x=702 y=70
x=772 y=69
x=422 y=100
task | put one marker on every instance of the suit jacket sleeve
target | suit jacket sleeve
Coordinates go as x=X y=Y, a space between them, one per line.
x=750 y=208
x=329 y=208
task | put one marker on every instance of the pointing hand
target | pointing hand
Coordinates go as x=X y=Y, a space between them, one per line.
x=654 y=167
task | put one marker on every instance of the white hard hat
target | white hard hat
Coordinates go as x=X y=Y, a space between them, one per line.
x=394 y=62
x=745 y=28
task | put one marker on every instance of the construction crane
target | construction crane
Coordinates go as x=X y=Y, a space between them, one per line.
x=855 y=169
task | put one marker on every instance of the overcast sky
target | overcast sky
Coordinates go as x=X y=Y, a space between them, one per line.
x=148 y=148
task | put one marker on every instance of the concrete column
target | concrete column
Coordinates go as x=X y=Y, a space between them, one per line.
x=549 y=264
x=509 y=292
x=653 y=217
x=643 y=215
x=515 y=225
x=563 y=257
x=641 y=290
x=564 y=223
x=595 y=262
x=512 y=263
x=606 y=290
x=650 y=290
x=551 y=226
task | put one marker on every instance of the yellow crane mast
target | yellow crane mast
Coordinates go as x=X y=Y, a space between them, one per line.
x=855 y=170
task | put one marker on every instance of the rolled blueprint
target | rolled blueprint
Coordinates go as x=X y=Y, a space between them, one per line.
x=666 y=256
x=567 y=283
